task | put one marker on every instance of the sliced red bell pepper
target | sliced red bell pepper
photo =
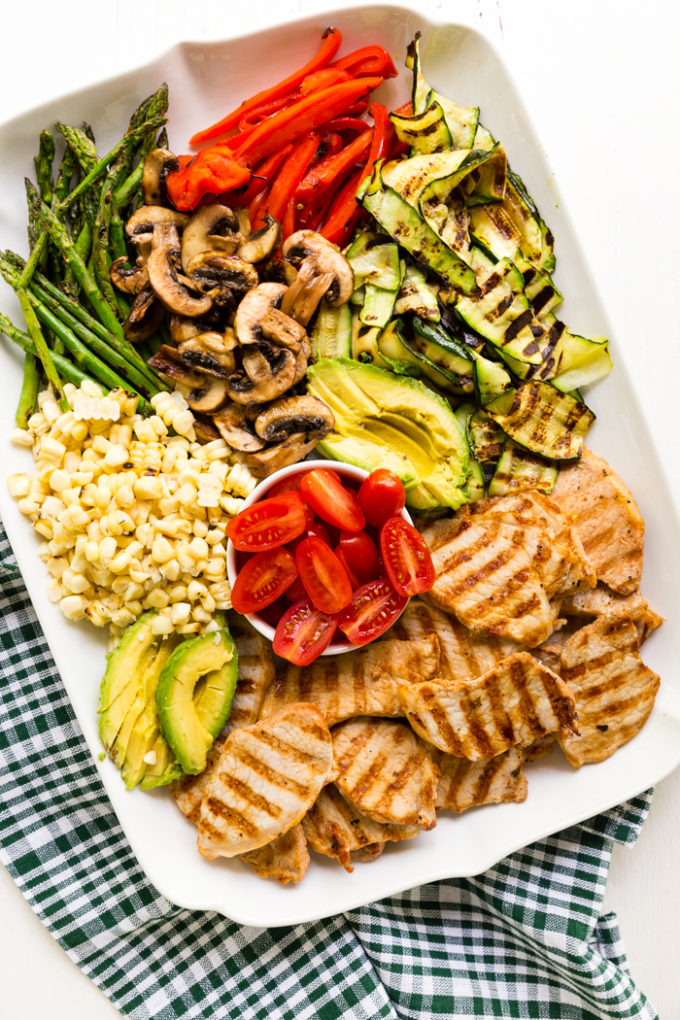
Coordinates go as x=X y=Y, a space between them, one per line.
x=330 y=143
x=406 y=110
x=306 y=115
x=263 y=174
x=291 y=173
x=254 y=117
x=324 y=176
x=288 y=220
x=367 y=60
x=323 y=79
x=211 y=172
x=256 y=210
x=344 y=211
x=343 y=123
x=330 y=45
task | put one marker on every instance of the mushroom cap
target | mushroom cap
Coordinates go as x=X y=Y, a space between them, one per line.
x=217 y=270
x=211 y=228
x=234 y=428
x=126 y=278
x=176 y=291
x=209 y=352
x=253 y=308
x=144 y=219
x=209 y=396
x=304 y=415
x=293 y=449
x=267 y=372
x=157 y=166
x=262 y=243
x=306 y=245
x=145 y=316
x=168 y=362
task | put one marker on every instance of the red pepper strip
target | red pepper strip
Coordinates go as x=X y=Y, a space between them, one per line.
x=346 y=124
x=256 y=210
x=358 y=108
x=406 y=110
x=263 y=174
x=288 y=220
x=301 y=117
x=291 y=173
x=345 y=211
x=325 y=174
x=330 y=144
x=323 y=79
x=330 y=45
x=257 y=115
x=210 y=173
x=367 y=60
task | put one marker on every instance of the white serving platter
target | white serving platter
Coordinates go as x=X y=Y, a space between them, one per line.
x=205 y=81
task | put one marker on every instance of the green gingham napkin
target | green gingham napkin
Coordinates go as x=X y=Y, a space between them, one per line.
x=525 y=939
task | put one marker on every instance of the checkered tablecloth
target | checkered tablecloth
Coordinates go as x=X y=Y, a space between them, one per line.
x=525 y=939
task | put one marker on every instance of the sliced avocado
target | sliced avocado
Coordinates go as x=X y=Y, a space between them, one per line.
x=128 y=721
x=119 y=691
x=387 y=420
x=193 y=696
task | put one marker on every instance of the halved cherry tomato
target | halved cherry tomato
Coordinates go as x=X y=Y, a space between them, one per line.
x=268 y=524
x=262 y=580
x=303 y=633
x=328 y=498
x=289 y=484
x=373 y=609
x=323 y=576
x=296 y=591
x=406 y=557
x=317 y=529
x=353 y=579
x=361 y=554
x=381 y=495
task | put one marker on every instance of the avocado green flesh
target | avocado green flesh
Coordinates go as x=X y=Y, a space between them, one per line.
x=128 y=721
x=133 y=654
x=194 y=694
x=397 y=423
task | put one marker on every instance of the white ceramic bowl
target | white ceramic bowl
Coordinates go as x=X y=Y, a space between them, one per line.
x=348 y=471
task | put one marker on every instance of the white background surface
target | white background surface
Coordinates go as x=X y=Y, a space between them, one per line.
x=601 y=81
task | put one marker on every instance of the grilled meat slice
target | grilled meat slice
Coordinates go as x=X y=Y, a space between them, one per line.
x=464 y=784
x=358 y=683
x=603 y=602
x=268 y=776
x=463 y=654
x=486 y=577
x=613 y=688
x=337 y=829
x=512 y=704
x=286 y=858
x=385 y=772
x=557 y=552
x=606 y=516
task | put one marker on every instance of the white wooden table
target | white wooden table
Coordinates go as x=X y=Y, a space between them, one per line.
x=597 y=77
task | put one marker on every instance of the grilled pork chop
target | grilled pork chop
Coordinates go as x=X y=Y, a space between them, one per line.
x=268 y=776
x=464 y=784
x=337 y=829
x=357 y=683
x=607 y=518
x=613 y=688
x=385 y=772
x=286 y=858
x=463 y=655
x=514 y=703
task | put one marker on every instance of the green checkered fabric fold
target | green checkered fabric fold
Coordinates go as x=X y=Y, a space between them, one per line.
x=525 y=939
